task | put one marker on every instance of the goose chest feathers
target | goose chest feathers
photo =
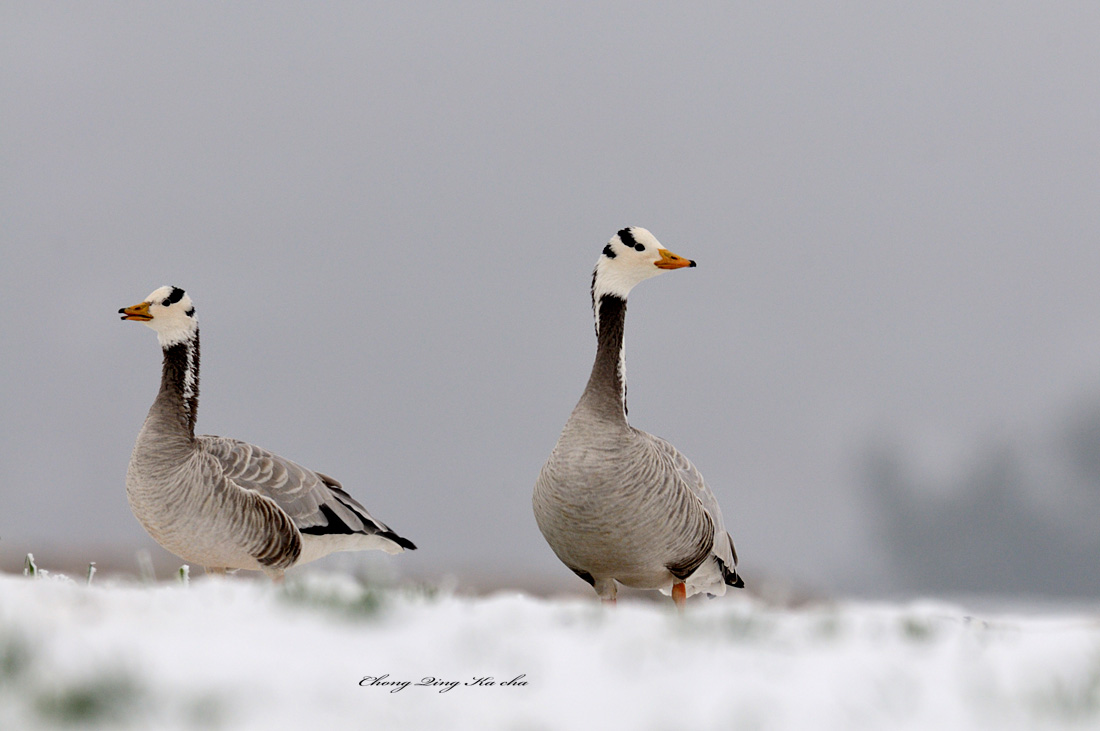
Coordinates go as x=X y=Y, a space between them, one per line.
x=222 y=503
x=617 y=504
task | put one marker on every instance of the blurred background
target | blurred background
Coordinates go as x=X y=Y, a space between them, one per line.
x=887 y=363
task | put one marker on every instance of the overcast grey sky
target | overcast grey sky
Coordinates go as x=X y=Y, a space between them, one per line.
x=387 y=215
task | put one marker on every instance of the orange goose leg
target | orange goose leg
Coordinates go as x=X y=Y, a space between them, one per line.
x=679 y=595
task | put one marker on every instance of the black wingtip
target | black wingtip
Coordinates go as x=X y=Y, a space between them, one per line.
x=729 y=576
x=403 y=542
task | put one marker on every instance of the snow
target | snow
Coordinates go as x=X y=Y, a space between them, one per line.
x=241 y=654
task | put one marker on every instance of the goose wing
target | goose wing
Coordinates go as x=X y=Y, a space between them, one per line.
x=316 y=503
x=691 y=479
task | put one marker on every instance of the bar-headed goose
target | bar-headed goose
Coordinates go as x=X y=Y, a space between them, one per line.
x=221 y=503
x=616 y=503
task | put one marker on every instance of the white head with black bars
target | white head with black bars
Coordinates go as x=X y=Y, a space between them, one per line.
x=631 y=256
x=169 y=311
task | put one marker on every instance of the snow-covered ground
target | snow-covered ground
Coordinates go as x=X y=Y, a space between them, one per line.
x=241 y=654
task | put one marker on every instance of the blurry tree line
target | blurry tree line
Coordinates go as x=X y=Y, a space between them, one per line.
x=1022 y=517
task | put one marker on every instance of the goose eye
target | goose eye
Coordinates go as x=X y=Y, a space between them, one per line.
x=165 y=303
x=639 y=247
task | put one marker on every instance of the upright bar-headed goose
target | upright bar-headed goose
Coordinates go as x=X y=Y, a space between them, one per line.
x=221 y=503
x=616 y=503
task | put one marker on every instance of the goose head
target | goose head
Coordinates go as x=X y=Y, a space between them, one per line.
x=169 y=312
x=631 y=256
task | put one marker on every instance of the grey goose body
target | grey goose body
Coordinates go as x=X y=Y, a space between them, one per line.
x=222 y=503
x=615 y=503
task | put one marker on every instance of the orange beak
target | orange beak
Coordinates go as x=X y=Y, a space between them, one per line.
x=137 y=312
x=669 y=260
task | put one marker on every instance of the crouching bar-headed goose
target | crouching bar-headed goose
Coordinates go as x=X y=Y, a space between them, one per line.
x=616 y=503
x=221 y=503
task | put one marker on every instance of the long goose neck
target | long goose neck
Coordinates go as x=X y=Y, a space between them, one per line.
x=606 y=390
x=177 y=403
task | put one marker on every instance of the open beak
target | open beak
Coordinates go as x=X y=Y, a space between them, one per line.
x=669 y=260
x=137 y=312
